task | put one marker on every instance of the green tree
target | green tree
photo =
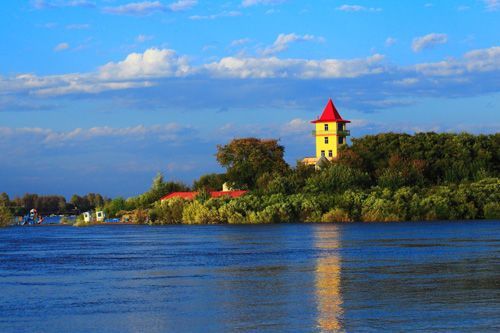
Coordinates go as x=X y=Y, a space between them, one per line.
x=248 y=158
x=210 y=182
x=5 y=216
x=336 y=178
x=114 y=206
x=4 y=199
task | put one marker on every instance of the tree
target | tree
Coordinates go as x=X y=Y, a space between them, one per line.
x=337 y=178
x=114 y=206
x=248 y=158
x=4 y=199
x=211 y=182
x=5 y=216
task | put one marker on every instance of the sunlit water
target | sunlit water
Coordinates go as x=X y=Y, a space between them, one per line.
x=426 y=277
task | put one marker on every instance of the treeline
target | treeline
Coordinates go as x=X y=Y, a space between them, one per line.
x=139 y=205
x=384 y=177
x=56 y=204
x=52 y=204
x=476 y=200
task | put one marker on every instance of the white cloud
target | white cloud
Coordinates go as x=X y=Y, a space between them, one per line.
x=390 y=41
x=79 y=3
x=152 y=63
x=469 y=74
x=273 y=67
x=239 y=42
x=484 y=60
x=428 y=41
x=164 y=132
x=492 y=5
x=410 y=81
x=78 y=26
x=358 y=8
x=249 y=3
x=476 y=61
x=283 y=40
x=182 y=5
x=143 y=38
x=48 y=25
x=296 y=125
x=44 y=4
x=61 y=47
x=136 y=8
x=215 y=16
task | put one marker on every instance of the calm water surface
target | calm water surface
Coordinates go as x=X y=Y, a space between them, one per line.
x=425 y=277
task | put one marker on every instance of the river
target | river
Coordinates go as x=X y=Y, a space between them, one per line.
x=419 y=276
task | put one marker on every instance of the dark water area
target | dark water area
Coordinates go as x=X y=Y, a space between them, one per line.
x=393 y=277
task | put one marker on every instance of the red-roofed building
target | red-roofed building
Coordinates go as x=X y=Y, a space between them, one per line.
x=330 y=134
x=213 y=194
x=330 y=114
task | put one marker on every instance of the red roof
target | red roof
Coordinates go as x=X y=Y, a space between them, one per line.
x=330 y=114
x=232 y=194
x=213 y=194
x=184 y=195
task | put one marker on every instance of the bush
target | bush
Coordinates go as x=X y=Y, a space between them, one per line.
x=336 y=215
x=139 y=216
x=79 y=222
x=492 y=211
x=197 y=213
x=64 y=220
x=168 y=211
x=378 y=207
x=5 y=216
x=229 y=214
x=337 y=178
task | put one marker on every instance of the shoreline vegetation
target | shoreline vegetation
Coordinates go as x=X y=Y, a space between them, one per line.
x=384 y=177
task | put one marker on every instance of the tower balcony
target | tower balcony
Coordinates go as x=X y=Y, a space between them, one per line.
x=339 y=133
x=344 y=133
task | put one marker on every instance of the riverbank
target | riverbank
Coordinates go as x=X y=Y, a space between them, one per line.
x=472 y=200
x=464 y=201
x=90 y=225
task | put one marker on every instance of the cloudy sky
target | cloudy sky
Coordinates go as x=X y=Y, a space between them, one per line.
x=100 y=95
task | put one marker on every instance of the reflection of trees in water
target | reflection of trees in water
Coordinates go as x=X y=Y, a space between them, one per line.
x=328 y=268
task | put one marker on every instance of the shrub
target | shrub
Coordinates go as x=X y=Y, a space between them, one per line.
x=5 y=216
x=378 y=207
x=337 y=178
x=79 y=222
x=168 y=211
x=139 y=216
x=336 y=215
x=64 y=220
x=197 y=213
x=228 y=214
x=492 y=210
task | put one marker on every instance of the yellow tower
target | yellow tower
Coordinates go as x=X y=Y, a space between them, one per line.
x=330 y=132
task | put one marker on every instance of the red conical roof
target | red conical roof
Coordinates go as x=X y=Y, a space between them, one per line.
x=330 y=114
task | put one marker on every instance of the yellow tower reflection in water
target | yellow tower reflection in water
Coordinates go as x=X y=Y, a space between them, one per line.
x=328 y=267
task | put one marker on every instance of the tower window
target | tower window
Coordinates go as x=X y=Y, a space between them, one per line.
x=341 y=140
x=340 y=126
x=326 y=127
x=330 y=153
x=323 y=153
x=326 y=139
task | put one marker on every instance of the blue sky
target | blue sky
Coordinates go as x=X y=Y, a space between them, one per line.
x=98 y=96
